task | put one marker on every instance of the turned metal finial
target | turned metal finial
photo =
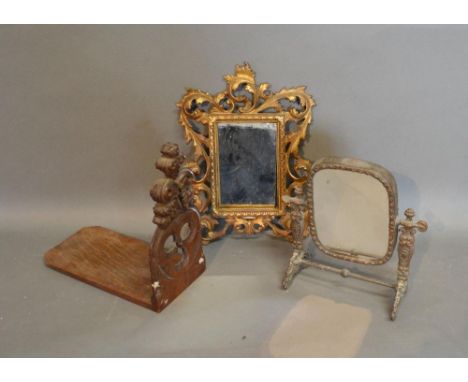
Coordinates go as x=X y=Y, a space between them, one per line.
x=409 y=213
x=408 y=224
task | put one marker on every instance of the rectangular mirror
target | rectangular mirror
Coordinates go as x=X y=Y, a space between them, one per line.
x=246 y=164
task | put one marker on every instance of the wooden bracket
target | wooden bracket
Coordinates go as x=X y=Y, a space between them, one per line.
x=176 y=256
x=151 y=275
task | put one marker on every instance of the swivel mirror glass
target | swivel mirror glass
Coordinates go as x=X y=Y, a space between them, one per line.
x=351 y=212
x=354 y=209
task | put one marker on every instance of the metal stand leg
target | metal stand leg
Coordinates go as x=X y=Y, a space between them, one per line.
x=295 y=264
x=406 y=243
x=296 y=206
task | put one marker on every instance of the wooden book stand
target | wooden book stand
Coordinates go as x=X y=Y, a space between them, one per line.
x=151 y=275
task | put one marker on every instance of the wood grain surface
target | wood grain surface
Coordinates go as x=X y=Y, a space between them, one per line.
x=117 y=263
x=173 y=269
x=149 y=275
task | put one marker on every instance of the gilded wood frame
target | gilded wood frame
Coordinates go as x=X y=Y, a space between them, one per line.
x=244 y=99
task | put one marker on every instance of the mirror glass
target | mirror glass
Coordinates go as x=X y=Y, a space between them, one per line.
x=247 y=163
x=351 y=212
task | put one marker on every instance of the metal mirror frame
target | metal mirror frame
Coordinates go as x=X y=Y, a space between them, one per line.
x=367 y=168
x=244 y=98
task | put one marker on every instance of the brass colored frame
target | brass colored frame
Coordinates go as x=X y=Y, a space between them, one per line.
x=377 y=172
x=247 y=209
x=244 y=99
x=406 y=228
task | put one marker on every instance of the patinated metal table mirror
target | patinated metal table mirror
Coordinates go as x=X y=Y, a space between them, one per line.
x=352 y=209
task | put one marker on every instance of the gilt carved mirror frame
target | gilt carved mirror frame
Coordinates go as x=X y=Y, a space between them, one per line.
x=245 y=101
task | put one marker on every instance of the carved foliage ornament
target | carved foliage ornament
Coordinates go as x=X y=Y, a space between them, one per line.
x=243 y=97
x=176 y=256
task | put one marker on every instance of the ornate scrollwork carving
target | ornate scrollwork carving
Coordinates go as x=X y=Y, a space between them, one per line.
x=174 y=267
x=244 y=96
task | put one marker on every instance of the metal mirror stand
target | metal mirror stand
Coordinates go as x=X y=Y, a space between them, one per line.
x=300 y=259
